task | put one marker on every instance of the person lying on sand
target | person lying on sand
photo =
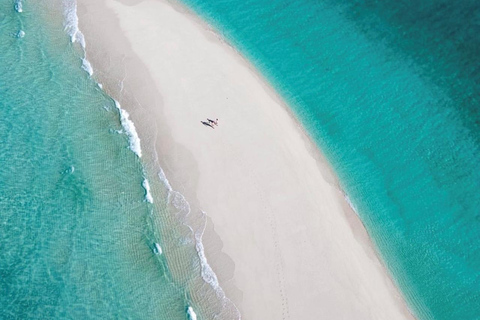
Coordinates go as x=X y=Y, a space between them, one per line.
x=213 y=122
x=207 y=124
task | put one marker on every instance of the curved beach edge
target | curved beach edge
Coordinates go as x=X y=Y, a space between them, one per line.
x=282 y=239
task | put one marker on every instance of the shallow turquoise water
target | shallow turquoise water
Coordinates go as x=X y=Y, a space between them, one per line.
x=389 y=91
x=76 y=233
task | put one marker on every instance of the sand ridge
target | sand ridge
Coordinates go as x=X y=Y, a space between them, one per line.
x=295 y=249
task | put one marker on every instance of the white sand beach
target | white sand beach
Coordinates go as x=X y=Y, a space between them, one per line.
x=292 y=247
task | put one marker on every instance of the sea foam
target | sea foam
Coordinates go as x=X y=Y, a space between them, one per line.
x=179 y=202
x=174 y=197
x=157 y=249
x=191 y=314
x=87 y=66
x=163 y=178
x=148 y=194
x=347 y=198
x=18 y=6
x=129 y=128
x=71 y=23
x=72 y=29
x=208 y=275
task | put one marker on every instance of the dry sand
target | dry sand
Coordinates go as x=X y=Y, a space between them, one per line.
x=292 y=247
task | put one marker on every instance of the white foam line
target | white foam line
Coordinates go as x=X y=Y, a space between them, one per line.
x=129 y=128
x=208 y=275
x=174 y=197
x=164 y=179
x=18 y=6
x=157 y=249
x=191 y=314
x=148 y=194
x=71 y=22
x=347 y=198
x=87 y=66
x=72 y=29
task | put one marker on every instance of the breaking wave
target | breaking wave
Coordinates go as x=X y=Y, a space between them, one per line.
x=148 y=194
x=70 y=25
x=130 y=130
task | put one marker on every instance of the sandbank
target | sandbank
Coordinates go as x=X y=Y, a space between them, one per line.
x=281 y=238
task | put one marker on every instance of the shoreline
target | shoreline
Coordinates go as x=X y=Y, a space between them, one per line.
x=189 y=169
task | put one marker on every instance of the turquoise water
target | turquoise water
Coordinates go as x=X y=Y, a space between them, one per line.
x=389 y=91
x=77 y=232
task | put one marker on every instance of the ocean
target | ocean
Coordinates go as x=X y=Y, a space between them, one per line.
x=84 y=222
x=389 y=92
